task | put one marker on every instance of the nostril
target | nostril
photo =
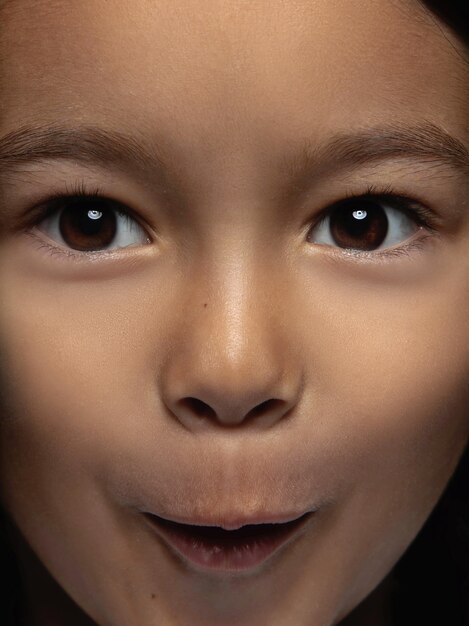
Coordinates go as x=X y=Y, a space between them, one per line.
x=268 y=411
x=200 y=408
x=267 y=406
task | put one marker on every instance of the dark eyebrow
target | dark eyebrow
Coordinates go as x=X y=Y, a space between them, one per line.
x=89 y=145
x=425 y=142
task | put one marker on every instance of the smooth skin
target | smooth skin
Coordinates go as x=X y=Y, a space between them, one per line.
x=225 y=361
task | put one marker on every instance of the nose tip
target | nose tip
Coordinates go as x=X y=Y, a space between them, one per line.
x=203 y=390
x=236 y=363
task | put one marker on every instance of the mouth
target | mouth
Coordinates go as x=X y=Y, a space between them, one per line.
x=213 y=548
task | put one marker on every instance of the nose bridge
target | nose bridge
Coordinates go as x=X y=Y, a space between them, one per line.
x=230 y=358
x=233 y=332
x=234 y=306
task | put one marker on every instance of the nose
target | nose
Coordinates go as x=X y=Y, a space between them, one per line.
x=231 y=363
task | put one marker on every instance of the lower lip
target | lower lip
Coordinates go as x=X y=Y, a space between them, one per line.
x=215 y=549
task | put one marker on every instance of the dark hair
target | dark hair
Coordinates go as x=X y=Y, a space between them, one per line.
x=431 y=579
x=454 y=13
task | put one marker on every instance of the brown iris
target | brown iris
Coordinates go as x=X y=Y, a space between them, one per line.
x=361 y=225
x=87 y=227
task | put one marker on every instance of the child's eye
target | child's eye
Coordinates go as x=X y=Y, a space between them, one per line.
x=91 y=223
x=369 y=222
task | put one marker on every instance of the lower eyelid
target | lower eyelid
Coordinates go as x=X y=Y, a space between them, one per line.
x=336 y=252
x=406 y=205
x=379 y=256
x=423 y=217
x=41 y=244
x=62 y=253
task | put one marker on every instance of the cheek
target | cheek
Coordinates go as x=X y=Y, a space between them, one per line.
x=392 y=370
x=78 y=385
x=391 y=366
x=388 y=353
x=389 y=373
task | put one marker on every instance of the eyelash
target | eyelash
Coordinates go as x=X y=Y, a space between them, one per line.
x=423 y=216
x=420 y=214
x=78 y=191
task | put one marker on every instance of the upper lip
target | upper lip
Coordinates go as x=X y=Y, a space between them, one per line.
x=235 y=521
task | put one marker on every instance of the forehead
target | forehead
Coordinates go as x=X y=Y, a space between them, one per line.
x=216 y=74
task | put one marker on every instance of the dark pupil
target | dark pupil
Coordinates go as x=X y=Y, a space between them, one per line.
x=87 y=226
x=361 y=225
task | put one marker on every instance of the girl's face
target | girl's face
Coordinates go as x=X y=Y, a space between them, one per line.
x=225 y=339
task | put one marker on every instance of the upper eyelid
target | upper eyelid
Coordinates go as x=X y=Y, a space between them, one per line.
x=52 y=207
x=55 y=202
x=372 y=193
x=418 y=210
x=383 y=255
x=82 y=189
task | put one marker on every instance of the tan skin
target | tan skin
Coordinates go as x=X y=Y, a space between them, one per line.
x=225 y=360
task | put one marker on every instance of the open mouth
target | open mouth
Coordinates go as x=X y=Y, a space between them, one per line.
x=214 y=548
